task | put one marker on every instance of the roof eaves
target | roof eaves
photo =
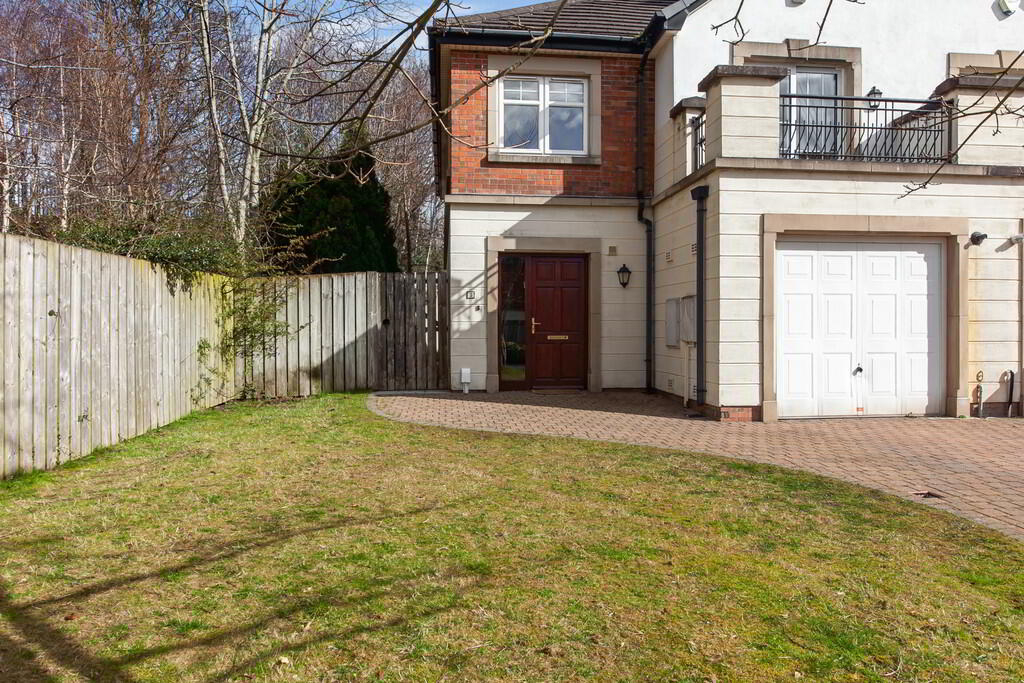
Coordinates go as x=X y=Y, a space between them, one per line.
x=558 y=40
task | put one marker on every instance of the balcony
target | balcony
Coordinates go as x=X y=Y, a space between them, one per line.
x=865 y=129
x=855 y=129
x=746 y=116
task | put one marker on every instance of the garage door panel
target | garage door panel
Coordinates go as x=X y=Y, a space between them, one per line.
x=918 y=317
x=836 y=267
x=838 y=375
x=798 y=374
x=881 y=268
x=838 y=314
x=799 y=316
x=880 y=374
x=798 y=266
x=918 y=369
x=881 y=316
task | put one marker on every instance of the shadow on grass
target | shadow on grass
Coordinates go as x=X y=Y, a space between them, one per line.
x=39 y=636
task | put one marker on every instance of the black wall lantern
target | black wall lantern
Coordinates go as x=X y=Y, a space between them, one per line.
x=874 y=97
x=624 y=274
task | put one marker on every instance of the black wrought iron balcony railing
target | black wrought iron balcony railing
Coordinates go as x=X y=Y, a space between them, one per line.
x=865 y=129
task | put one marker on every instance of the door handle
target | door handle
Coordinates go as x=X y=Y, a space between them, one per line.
x=533 y=325
x=858 y=370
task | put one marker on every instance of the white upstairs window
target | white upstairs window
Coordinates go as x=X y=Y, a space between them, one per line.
x=543 y=115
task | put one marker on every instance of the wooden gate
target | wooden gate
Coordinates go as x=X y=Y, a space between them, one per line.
x=412 y=351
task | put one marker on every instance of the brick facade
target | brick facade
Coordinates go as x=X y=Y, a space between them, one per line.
x=472 y=173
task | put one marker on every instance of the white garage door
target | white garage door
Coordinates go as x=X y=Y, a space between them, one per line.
x=860 y=328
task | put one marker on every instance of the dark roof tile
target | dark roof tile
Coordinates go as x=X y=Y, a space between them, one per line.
x=622 y=18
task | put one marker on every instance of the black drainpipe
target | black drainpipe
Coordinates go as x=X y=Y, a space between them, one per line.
x=641 y=200
x=700 y=195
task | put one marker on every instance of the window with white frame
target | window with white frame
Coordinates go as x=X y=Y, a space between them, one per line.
x=543 y=115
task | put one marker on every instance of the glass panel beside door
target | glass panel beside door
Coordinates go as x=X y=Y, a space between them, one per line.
x=512 y=321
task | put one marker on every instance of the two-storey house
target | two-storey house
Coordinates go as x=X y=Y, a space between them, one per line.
x=641 y=203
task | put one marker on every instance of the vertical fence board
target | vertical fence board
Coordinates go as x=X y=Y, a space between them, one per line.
x=373 y=329
x=316 y=356
x=293 y=338
x=303 y=331
x=268 y=347
x=431 y=322
x=124 y=338
x=337 y=307
x=85 y=395
x=75 y=353
x=3 y=355
x=7 y=318
x=12 y=375
x=131 y=347
x=110 y=404
x=102 y=352
x=348 y=282
x=361 y=352
x=387 y=330
x=326 y=334
x=422 y=330
x=137 y=273
x=63 y=308
x=31 y=417
x=51 y=349
x=24 y=340
x=281 y=342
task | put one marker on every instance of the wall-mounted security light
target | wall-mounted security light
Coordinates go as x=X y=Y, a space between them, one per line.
x=624 y=272
x=874 y=97
x=977 y=238
x=1004 y=6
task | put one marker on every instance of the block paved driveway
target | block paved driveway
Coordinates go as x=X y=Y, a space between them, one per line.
x=975 y=467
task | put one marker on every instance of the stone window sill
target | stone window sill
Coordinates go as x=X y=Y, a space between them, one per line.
x=495 y=156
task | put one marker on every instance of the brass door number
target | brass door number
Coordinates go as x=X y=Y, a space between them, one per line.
x=558 y=337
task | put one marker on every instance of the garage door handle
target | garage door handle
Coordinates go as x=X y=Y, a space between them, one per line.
x=858 y=370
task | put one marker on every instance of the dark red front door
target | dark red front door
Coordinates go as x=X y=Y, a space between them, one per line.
x=556 y=307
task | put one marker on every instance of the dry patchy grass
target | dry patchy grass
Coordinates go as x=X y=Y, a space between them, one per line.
x=314 y=541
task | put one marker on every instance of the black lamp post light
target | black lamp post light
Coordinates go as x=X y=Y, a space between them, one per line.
x=874 y=97
x=624 y=274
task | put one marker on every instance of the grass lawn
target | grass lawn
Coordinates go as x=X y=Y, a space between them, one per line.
x=314 y=541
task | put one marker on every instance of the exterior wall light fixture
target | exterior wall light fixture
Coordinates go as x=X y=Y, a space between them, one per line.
x=624 y=274
x=978 y=237
x=874 y=97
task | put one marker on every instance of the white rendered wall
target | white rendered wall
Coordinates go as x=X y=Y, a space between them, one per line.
x=676 y=276
x=622 y=310
x=904 y=43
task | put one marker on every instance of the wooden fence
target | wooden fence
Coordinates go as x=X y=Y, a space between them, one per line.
x=352 y=331
x=98 y=348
